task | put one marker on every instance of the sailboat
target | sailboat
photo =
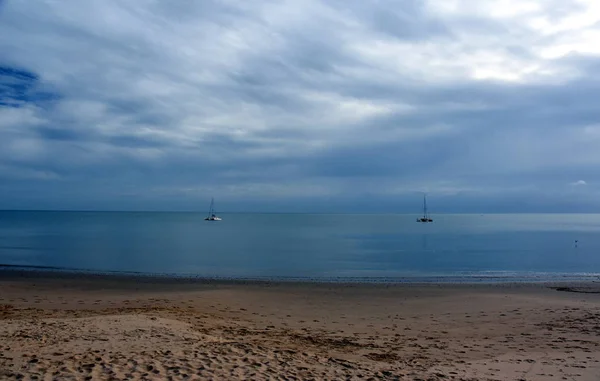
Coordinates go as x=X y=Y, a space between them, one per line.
x=425 y=217
x=211 y=212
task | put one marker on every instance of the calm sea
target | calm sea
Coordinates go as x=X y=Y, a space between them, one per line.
x=307 y=246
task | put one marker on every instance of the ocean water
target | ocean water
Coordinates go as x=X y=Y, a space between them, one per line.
x=307 y=246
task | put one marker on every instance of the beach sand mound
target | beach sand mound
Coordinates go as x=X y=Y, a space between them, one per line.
x=142 y=347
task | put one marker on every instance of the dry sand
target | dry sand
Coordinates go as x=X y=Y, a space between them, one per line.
x=69 y=327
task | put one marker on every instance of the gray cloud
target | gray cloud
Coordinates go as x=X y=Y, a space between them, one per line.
x=295 y=103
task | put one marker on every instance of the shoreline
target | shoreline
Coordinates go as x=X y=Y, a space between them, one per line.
x=19 y=271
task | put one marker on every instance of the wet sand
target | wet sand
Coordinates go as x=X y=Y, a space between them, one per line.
x=81 y=327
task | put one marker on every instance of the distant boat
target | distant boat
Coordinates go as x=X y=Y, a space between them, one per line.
x=211 y=212
x=425 y=217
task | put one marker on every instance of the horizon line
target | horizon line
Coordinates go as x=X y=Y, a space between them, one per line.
x=282 y=212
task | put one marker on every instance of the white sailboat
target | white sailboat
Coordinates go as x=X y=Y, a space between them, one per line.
x=212 y=216
x=425 y=217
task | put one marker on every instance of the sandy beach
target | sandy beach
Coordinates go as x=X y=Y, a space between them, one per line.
x=86 y=327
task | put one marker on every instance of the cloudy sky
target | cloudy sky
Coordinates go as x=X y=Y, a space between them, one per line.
x=300 y=105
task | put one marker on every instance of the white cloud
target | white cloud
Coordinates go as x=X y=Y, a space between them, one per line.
x=503 y=9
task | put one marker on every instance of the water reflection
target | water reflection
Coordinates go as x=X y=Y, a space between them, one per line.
x=299 y=245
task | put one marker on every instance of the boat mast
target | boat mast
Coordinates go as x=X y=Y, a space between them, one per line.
x=424 y=206
x=212 y=203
